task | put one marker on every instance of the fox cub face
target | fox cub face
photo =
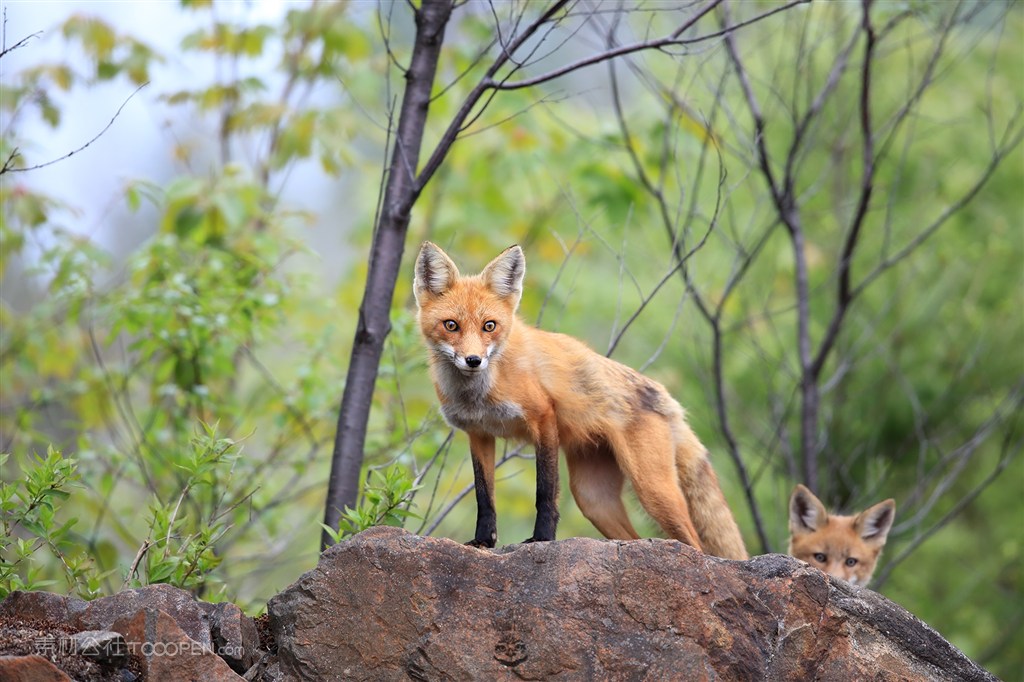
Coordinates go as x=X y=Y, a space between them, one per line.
x=466 y=320
x=845 y=547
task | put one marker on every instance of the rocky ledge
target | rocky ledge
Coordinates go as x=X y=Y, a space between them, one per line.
x=389 y=605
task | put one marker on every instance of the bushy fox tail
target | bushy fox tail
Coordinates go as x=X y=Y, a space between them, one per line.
x=719 y=535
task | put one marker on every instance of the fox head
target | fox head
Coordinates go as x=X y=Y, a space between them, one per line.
x=466 y=320
x=845 y=547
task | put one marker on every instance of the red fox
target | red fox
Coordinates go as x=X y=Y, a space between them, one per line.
x=845 y=547
x=496 y=376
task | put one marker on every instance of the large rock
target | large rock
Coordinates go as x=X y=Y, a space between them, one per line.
x=218 y=628
x=42 y=607
x=390 y=605
x=178 y=604
x=100 y=614
x=166 y=652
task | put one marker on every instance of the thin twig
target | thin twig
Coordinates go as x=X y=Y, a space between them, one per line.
x=672 y=40
x=133 y=569
x=1009 y=452
x=21 y=43
x=7 y=165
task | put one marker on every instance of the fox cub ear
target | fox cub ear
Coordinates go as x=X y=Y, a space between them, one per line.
x=873 y=523
x=504 y=274
x=435 y=272
x=806 y=512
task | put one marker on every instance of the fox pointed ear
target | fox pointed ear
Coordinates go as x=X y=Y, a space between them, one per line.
x=873 y=523
x=435 y=272
x=504 y=274
x=806 y=512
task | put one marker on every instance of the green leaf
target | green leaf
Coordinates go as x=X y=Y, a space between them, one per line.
x=160 y=571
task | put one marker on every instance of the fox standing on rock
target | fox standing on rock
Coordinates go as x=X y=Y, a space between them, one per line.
x=496 y=376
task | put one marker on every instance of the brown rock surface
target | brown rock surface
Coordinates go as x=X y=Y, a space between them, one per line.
x=390 y=605
x=208 y=628
x=167 y=653
x=234 y=635
x=30 y=668
x=100 y=614
x=42 y=606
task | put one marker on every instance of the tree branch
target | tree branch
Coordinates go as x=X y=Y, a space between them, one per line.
x=844 y=295
x=456 y=126
x=1009 y=452
x=385 y=259
x=672 y=40
x=7 y=167
x=785 y=204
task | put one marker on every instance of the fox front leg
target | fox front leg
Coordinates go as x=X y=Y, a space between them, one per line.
x=481 y=448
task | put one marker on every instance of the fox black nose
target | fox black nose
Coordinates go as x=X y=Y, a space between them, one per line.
x=473 y=360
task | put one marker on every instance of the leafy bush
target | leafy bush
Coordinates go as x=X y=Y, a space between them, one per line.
x=386 y=500
x=34 y=539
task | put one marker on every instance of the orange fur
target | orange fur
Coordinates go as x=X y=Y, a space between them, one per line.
x=511 y=380
x=845 y=547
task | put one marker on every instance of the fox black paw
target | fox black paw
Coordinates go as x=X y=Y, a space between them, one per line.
x=481 y=544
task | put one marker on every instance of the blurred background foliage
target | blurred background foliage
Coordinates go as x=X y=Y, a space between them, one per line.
x=192 y=381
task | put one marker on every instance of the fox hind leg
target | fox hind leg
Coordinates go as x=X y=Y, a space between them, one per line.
x=648 y=459
x=596 y=483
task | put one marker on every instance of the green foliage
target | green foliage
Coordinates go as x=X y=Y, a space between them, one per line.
x=180 y=548
x=385 y=501
x=190 y=328
x=33 y=537
x=112 y=55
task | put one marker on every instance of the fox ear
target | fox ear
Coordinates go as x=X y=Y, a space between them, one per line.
x=873 y=523
x=806 y=512
x=504 y=274
x=435 y=272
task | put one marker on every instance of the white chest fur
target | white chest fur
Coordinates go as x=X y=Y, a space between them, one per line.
x=466 y=404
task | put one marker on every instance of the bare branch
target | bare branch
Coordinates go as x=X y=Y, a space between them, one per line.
x=440 y=454
x=455 y=127
x=843 y=295
x=786 y=206
x=623 y=50
x=4 y=50
x=957 y=460
x=20 y=43
x=671 y=40
x=7 y=167
x=1011 y=141
x=384 y=28
x=1010 y=450
x=133 y=569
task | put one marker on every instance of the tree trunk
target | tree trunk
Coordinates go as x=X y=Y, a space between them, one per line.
x=385 y=259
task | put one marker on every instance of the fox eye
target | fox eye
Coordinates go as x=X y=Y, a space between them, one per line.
x=851 y=561
x=451 y=325
x=819 y=557
x=489 y=326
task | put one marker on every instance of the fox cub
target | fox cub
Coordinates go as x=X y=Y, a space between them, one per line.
x=845 y=547
x=498 y=377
